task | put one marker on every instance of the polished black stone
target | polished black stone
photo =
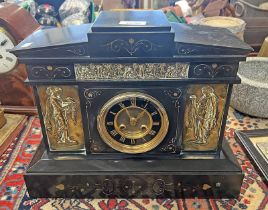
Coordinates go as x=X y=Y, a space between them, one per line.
x=77 y=176
x=146 y=21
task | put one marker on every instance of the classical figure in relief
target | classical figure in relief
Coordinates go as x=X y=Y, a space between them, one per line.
x=59 y=111
x=203 y=113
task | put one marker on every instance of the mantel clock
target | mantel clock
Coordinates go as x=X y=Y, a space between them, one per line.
x=14 y=93
x=133 y=106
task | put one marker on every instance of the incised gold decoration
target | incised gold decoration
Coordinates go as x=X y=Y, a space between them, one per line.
x=133 y=122
x=90 y=95
x=213 y=69
x=131 y=46
x=203 y=116
x=135 y=71
x=62 y=117
x=50 y=72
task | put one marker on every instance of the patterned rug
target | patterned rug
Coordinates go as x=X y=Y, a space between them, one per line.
x=13 y=193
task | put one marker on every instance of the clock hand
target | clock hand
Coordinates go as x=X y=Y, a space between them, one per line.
x=140 y=115
x=3 y=42
x=132 y=120
x=128 y=114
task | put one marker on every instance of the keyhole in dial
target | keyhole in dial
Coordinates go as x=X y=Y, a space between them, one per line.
x=122 y=127
x=144 y=127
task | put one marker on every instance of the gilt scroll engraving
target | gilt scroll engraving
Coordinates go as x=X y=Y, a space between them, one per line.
x=203 y=115
x=135 y=71
x=42 y=72
x=131 y=46
x=62 y=117
x=213 y=70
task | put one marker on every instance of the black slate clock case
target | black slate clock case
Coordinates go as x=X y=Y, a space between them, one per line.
x=173 y=63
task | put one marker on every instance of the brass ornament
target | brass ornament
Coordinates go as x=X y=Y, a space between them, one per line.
x=203 y=115
x=62 y=117
x=132 y=122
x=135 y=71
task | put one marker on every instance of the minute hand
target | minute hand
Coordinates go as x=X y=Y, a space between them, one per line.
x=140 y=115
x=128 y=114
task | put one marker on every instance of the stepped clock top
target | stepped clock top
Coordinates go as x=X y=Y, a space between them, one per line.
x=131 y=21
x=132 y=34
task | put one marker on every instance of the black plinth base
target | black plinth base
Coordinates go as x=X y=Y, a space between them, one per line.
x=81 y=177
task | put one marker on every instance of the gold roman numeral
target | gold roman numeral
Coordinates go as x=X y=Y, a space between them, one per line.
x=154 y=113
x=145 y=105
x=112 y=113
x=113 y=133
x=122 y=105
x=132 y=141
x=144 y=139
x=133 y=102
x=109 y=123
x=122 y=139
x=152 y=132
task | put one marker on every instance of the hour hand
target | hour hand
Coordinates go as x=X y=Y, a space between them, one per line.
x=132 y=120
x=140 y=115
x=128 y=114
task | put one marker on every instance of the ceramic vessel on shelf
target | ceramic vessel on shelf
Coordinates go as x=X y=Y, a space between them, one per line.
x=235 y=25
x=251 y=97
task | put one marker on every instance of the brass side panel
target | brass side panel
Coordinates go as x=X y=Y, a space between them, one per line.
x=62 y=117
x=203 y=116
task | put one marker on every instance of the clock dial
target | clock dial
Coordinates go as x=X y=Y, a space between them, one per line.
x=7 y=60
x=133 y=122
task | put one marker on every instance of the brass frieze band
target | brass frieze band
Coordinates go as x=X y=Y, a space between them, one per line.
x=135 y=71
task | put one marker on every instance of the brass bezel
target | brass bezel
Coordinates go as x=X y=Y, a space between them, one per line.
x=132 y=149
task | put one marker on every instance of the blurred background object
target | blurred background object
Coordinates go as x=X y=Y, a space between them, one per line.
x=75 y=19
x=251 y=8
x=15 y=25
x=46 y=15
x=251 y=96
x=210 y=8
x=29 y=5
x=235 y=25
x=3 y=120
x=255 y=14
x=129 y=4
x=264 y=49
x=77 y=12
